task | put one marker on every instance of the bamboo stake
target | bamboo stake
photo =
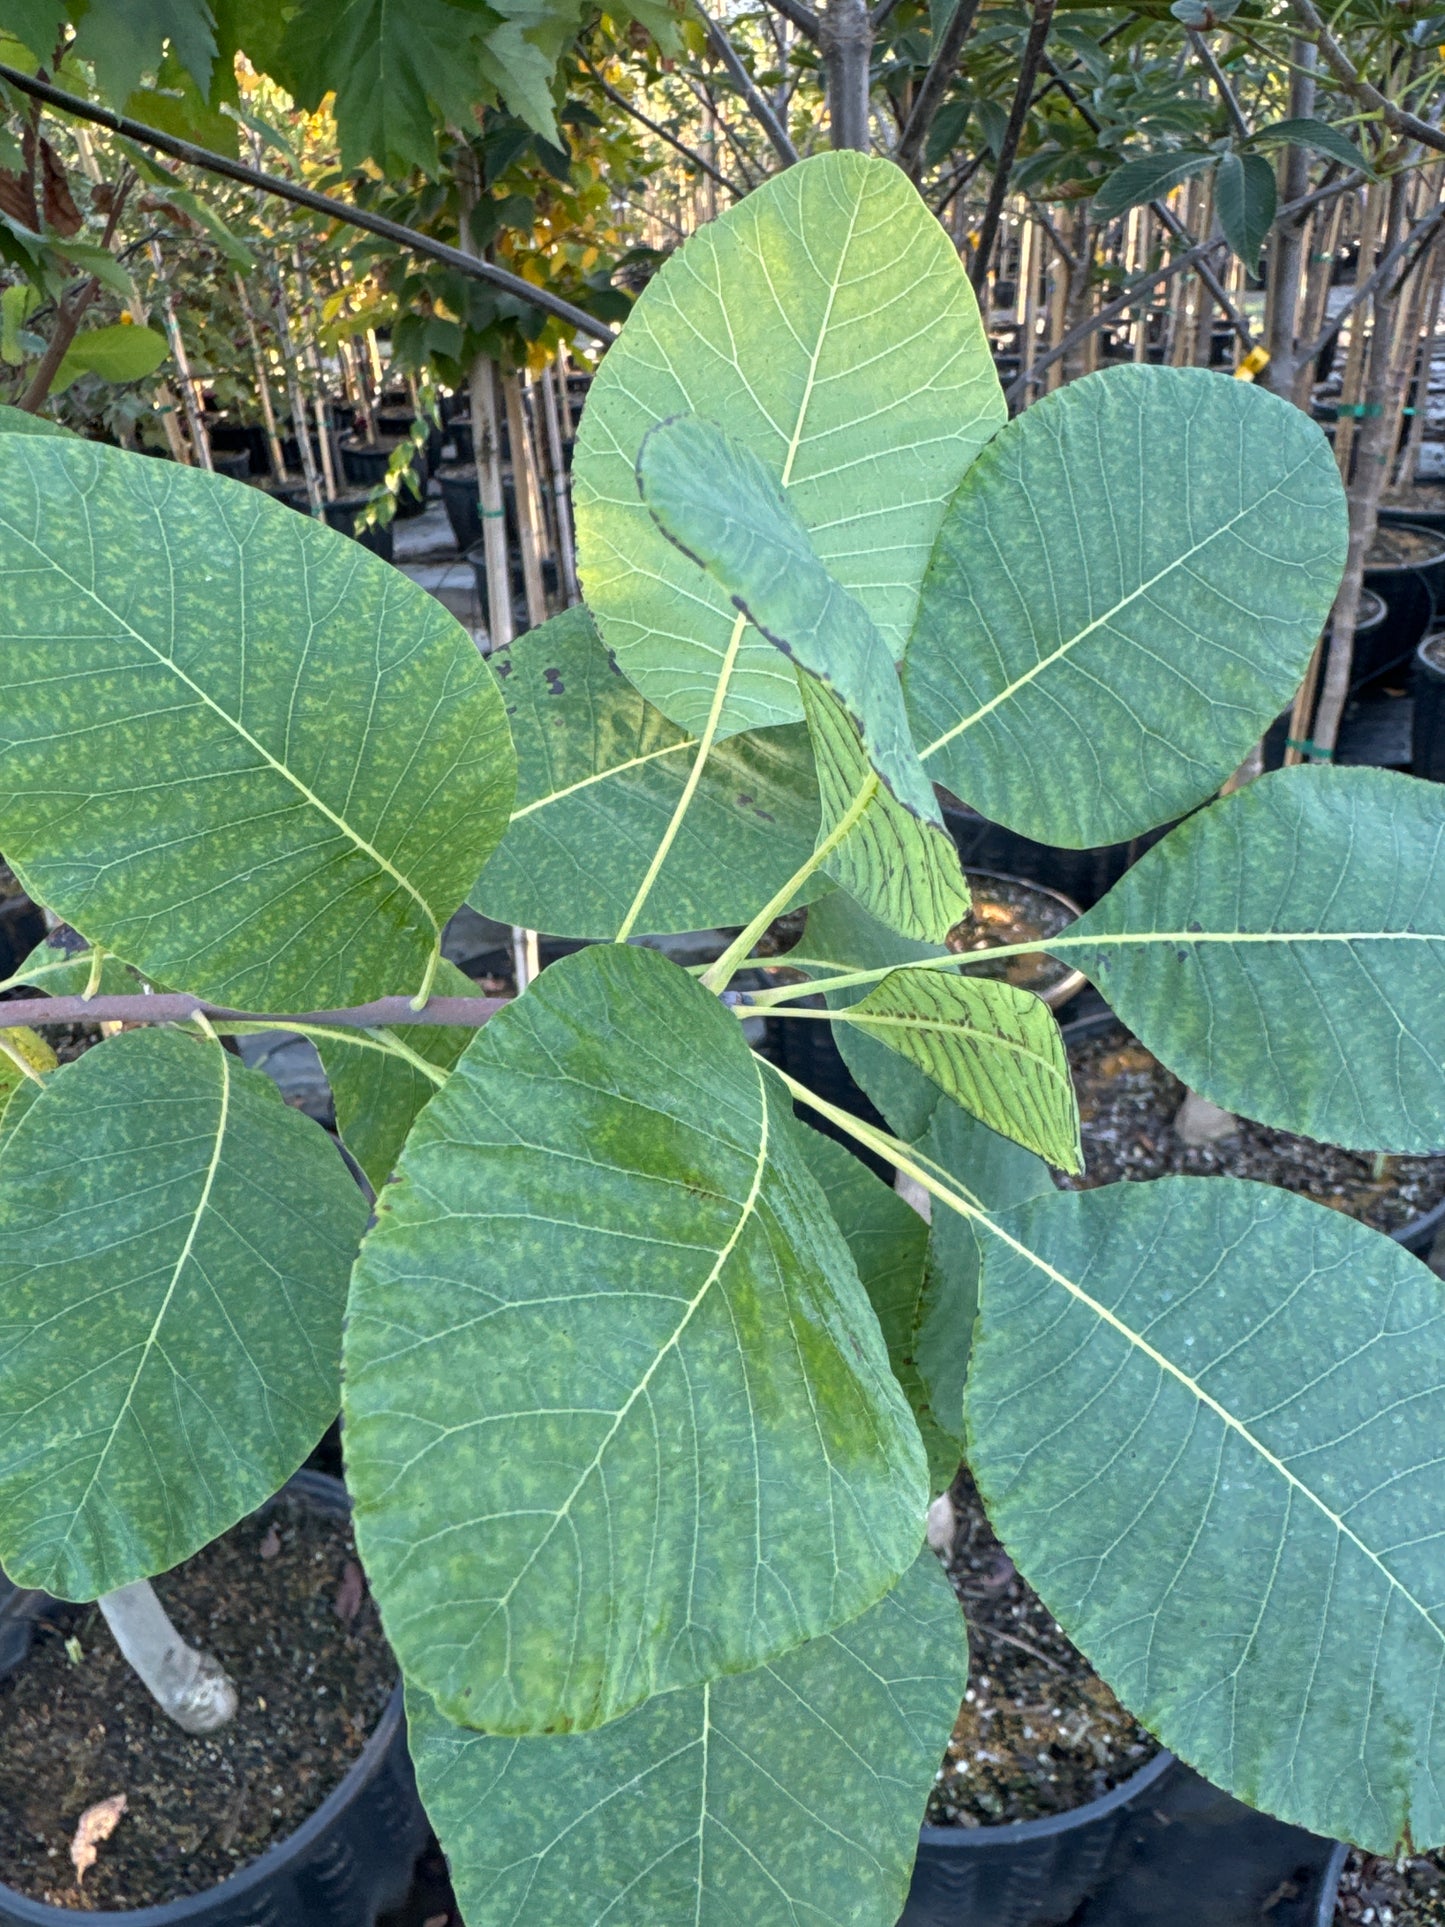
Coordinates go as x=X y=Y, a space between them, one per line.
x=299 y=424
x=263 y=385
x=200 y=440
x=524 y=488
x=561 y=496
x=1378 y=426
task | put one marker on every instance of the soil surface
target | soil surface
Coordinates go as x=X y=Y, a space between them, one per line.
x=1389 y=1893
x=1127 y=1106
x=1404 y=548
x=1426 y=497
x=1007 y=912
x=1038 y=1732
x=281 y=1602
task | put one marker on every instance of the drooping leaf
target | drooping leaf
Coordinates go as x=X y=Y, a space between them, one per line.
x=400 y=70
x=1125 y=592
x=618 y=1413
x=599 y=775
x=65 y=969
x=715 y=500
x=1205 y=1416
x=115 y=353
x=1306 y=131
x=903 y=868
x=278 y=824
x=379 y=1096
x=888 y=1241
x=1145 y=178
x=852 y=364
x=1284 y=953
x=174 y=1251
x=1245 y=198
x=992 y=1048
x=124 y=39
x=784 y=1795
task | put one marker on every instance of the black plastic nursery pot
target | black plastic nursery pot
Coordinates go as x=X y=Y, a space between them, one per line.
x=295 y=495
x=1163 y=1849
x=1409 y=590
x=1426 y=511
x=351 y=1860
x=1428 y=683
x=457 y=482
x=344 y=514
x=236 y=464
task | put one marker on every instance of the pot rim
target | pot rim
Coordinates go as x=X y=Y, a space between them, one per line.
x=324 y=1491
x=1073 y=981
x=1411 y=568
x=1006 y=1832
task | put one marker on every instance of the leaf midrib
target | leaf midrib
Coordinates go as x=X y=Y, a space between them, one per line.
x=1227 y=1418
x=203 y=1201
x=282 y=769
x=1100 y=621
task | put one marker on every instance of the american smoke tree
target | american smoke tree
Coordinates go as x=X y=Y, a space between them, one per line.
x=647 y=1385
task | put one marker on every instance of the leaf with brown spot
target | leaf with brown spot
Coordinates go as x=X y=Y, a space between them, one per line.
x=61 y=213
x=17 y=200
x=96 y=1824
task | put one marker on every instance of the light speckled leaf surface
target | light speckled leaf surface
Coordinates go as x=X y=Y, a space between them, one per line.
x=378 y=1096
x=992 y=1048
x=785 y=1797
x=174 y=1250
x=828 y=323
x=1283 y=952
x=998 y=1173
x=62 y=971
x=619 y=1416
x=888 y=1241
x=714 y=498
x=237 y=749
x=1125 y=592
x=1207 y=1420
x=599 y=775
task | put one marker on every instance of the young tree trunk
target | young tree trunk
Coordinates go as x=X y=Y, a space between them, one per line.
x=561 y=495
x=195 y=421
x=190 y=1687
x=524 y=489
x=487 y=441
x=263 y=385
x=1290 y=239
x=1378 y=426
x=847 y=42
